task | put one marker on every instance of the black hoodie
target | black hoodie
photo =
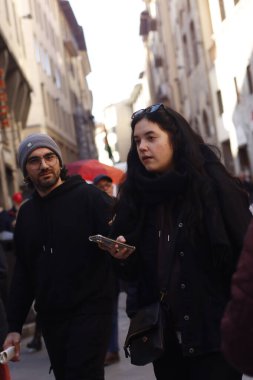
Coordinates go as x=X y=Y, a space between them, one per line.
x=56 y=263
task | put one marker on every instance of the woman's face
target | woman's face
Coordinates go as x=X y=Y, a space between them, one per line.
x=154 y=146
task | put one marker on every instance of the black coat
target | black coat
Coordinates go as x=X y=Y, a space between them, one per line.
x=206 y=263
x=56 y=263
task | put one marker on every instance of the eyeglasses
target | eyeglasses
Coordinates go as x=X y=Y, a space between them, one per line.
x=151 y=109
x=35 y=161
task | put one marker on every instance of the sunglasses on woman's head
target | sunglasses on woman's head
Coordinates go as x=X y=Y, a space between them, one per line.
x=153 y=108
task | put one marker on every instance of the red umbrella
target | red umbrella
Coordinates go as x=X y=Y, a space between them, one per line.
x=89 y=169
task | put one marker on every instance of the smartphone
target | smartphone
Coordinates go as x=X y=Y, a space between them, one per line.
x=110 y=242
x=7 y=355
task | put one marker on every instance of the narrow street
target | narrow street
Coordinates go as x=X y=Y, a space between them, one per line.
x=36 y=365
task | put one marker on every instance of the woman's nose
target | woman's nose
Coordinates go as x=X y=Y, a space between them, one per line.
x=142 y=145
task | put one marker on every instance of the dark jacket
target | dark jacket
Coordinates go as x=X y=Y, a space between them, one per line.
x=56 y=263
x=206 y=263
x=3 y=295
x=236 y=327
x=5 y=221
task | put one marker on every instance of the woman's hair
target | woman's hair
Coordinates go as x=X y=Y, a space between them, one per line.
x=190 y=155
x=186 y=143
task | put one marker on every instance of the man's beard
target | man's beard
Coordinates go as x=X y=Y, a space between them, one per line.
x=46 y=184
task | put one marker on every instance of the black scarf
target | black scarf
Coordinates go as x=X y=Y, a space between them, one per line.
x=154 y=189
x=149 y=191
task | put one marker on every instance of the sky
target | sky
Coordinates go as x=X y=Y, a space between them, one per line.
x=115 y=48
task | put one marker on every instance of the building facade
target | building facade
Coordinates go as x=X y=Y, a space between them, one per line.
x=199 y=61
x=231 y=79
x=15 y=98
x=43 y=68
x=177 y=67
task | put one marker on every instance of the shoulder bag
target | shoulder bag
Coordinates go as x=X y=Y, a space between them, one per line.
x=144 y=342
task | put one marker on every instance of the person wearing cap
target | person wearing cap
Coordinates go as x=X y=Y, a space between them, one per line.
x=69 y=277
x=104 y=183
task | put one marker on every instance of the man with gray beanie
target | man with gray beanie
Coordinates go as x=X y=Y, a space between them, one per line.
x=69 y=278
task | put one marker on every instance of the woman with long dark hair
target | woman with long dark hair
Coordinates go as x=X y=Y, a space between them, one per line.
x=187 y=217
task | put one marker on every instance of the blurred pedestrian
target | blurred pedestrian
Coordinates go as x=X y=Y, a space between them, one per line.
x=6 y=240
x=3 y=296
x=69 y=277
x=17 y=199
x=247 y=183
x=4 y=369
x=6 y=230
x=105 y=183
x=236 y=327
x=187 y=217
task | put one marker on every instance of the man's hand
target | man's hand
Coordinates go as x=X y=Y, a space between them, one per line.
x=13 y=339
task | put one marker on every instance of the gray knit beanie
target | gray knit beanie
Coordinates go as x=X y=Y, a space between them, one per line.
x=32 y=142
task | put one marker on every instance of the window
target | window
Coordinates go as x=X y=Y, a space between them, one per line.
x=249 y=80
x=57 y=78
x=158 y=61
x=228 y=157
x=206 y=123
x=237 y=90
x=43 y=98
x=42 y=58
x=196 y=126
x=153 y=24
x=186 y=55
x=181 y=17
x=179 y=90
x=49 y=104
x=144 y=23
x=45 y=23
x=194 y=44
x=222 y=9
x=220 y=103
x=47 y=64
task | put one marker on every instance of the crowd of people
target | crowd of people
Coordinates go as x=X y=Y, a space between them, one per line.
x=191 y=224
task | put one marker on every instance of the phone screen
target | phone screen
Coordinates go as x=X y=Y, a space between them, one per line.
x=110 y=242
